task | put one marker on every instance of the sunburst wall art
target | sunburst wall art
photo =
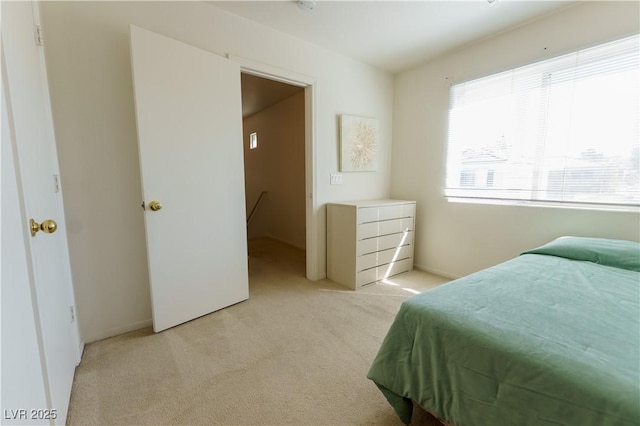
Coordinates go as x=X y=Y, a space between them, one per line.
x=358 y=144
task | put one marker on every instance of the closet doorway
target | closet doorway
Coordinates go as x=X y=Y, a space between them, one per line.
x=274 y=134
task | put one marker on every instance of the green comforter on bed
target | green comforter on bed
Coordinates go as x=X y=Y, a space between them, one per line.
x=548 y=338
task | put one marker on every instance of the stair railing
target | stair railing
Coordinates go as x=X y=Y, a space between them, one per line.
x=255 y=207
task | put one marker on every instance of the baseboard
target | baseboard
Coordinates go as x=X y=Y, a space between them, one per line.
x=120 y=330
x=80 y=351
x=321 y=276
x=437 y=272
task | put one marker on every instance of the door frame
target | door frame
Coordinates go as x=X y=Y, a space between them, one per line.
x=281 y=75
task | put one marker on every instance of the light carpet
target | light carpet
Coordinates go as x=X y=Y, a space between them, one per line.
x=297 y=352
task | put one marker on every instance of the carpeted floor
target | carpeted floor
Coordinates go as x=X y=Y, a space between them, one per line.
x=297 y=352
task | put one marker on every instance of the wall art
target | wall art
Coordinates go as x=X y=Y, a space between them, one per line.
x=358 y=143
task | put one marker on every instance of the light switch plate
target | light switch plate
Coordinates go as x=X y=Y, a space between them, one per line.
x=336 y=179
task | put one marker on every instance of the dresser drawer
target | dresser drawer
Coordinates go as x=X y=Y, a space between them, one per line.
x=390 y=212
x=395 y=226
x=385 y=227
x=367 y=230
x=408 y=210
x=400 y=253
x=372 y=275
x=375 y=214
x=394 y=268
x=383 y=257
x=367 y=261
x=367 y=214
x=371 y=245
x=367 y=276
x=395 y=240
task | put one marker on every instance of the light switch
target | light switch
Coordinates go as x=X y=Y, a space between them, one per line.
x=336 y=179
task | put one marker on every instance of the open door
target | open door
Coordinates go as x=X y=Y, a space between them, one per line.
x=188 y=110
x=40 y=341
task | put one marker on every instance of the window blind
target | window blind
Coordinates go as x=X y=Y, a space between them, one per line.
x=566 y=130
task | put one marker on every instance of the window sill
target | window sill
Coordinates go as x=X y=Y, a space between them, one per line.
x=546 y=204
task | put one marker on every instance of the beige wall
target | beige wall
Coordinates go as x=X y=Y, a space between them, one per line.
x=277 y=166
x=87 y=52
x=457 y=239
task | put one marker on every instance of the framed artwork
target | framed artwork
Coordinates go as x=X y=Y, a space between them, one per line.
x=358 y=143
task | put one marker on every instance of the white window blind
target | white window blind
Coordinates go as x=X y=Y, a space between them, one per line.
x=563 y=130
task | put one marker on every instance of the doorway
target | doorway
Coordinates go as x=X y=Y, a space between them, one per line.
x=274 y=159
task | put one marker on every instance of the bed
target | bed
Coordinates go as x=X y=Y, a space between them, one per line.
x=548 y=338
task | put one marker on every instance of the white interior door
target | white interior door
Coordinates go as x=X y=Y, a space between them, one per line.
x=37 y=281
x=188 y=110
x=23 y=376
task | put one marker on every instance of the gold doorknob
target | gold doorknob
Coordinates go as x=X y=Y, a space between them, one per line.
x=155 y=205
x=48 y=227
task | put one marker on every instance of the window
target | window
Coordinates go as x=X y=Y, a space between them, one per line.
x=490 y=174
x=467 y=178
x=562 y=130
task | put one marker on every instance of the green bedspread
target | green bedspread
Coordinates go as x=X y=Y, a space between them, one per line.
x=539 y=340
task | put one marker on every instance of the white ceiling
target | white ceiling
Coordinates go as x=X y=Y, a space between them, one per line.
x=392 y=35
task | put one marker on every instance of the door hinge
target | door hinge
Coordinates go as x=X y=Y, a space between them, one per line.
x=73 y=313
x=56 y=183
x=38 y=35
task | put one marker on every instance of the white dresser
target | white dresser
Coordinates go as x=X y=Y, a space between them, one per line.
x=368 y=241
